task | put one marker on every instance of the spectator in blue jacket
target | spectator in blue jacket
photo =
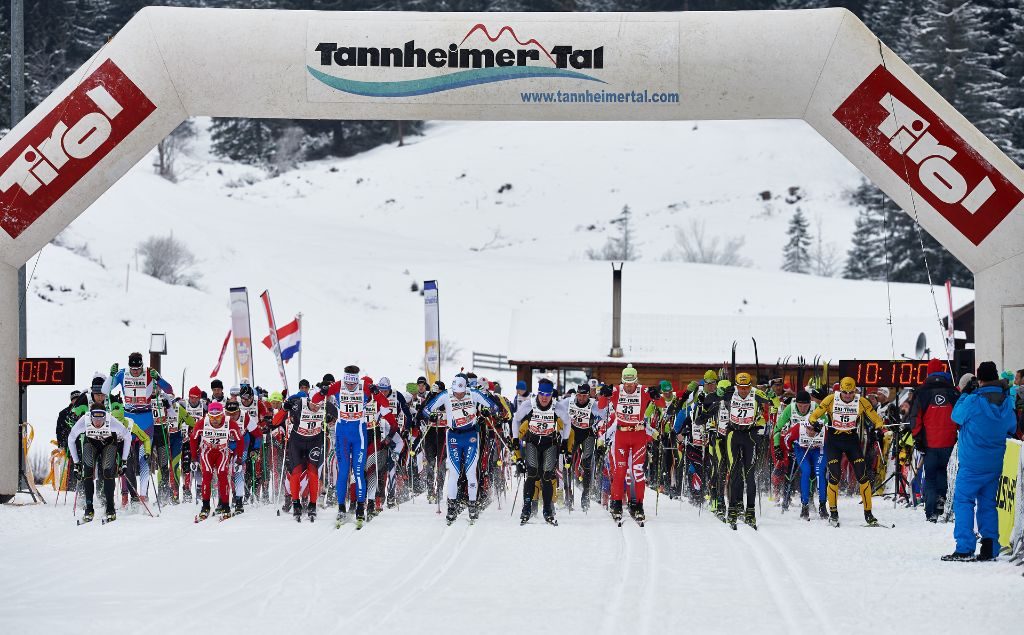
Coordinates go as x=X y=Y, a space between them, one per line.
x=986 y=418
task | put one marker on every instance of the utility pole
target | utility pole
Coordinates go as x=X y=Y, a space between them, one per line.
x=17 y=114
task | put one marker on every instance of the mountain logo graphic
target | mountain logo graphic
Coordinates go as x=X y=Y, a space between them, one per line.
x=471 y=66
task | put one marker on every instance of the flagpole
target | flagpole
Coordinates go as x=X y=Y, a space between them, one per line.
x=299 y=318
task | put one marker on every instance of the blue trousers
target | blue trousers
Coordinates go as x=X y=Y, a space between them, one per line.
x=935 y=482
x=813 y=463
x=981 y=488
x=350 y=452
x=463 y=455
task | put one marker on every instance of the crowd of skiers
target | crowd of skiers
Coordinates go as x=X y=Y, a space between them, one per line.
x=365 y=445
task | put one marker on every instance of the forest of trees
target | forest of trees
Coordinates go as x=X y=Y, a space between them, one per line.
x=972 y=52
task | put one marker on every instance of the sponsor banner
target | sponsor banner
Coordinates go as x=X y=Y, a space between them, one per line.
x=240 y=329
x=275 y=344
x=931 y=157
x=220 y=358
x=432 y=333
x=67 y=143
x=1006 y=497
x=491 y=62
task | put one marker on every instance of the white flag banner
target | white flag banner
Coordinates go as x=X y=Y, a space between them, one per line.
x=240 y=329
x=432 y=338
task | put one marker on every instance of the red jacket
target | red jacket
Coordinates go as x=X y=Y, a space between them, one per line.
x=234 y=434
x=932 y=413
x=612 y=402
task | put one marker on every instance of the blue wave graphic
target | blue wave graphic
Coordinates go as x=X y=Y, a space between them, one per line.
x=451 y=81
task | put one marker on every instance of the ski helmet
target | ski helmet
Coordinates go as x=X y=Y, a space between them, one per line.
x=245 y=391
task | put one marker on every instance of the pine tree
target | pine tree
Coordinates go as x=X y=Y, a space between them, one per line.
x=795 y=255
x=621 y=247
x=251 y=141
x=950 y=49
x=867 y=258
x=890 y=20
x=800 y=4
x=1013 y=92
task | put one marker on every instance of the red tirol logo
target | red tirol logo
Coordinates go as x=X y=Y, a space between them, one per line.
x=67 y=143
x=926 y=153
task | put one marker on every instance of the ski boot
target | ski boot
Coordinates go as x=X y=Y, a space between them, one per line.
x=339 y=520
x=549 y=516
x=124 y=499
x=957 y=556
x=986 y=551
x=734 y=514
x=932 y=518
x=239 y=508
x=88 y=516
x=805 y=512
x=453 y=511
x=223 y=509
x=940 y=507
x=371 y=510
x=524 y=517
x=360 y=515
x=638 y=513
x=186 y=496
x=378 y=506
x=822 y=512
x=474 y=512
x=833 y=517
x=331 y=498
x=585 y=502
x=204 y=511
x=110 y=517
x=749 y=519
x=311 y=511
x=390 y=504
x=287 y=506
x=870 y=519
x=616 y=509
x=297 y=511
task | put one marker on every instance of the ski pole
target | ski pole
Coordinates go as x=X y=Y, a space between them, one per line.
x=126 y=482
x=516 y=497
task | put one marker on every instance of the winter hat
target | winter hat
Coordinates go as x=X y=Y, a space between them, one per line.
x=384 y=383
x=459 y=384
x=521 y=385
x=665 y=386
x=710 y=376
x=583 y=389
x=802 y=396
x=593 y=383
x=742 y=379
x=231 y=406
x=275 y=396
x=964 y=380
x=629 y=374
x=195 y=392
x=421 y=380
x=847 y=384
x=135 y=360
x=883 y=393
x=1007 y=375
x=545 y=387
x=936 y=365
x=216 y=383
x=987 y=372
x=216 y=408
x=328 y=379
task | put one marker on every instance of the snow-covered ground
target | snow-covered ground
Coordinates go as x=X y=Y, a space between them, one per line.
x=406 y=572
x=343 y=241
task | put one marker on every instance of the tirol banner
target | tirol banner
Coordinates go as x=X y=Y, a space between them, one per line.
x=432 y=332
x=1007 y=493
x=481 y=62
x=242 y=334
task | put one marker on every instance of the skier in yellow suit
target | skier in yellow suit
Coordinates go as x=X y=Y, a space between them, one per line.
x=849 y=413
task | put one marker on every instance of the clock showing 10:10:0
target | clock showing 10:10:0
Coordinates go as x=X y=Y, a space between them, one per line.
x=874 y=373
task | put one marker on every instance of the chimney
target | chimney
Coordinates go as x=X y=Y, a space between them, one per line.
x=616 y=311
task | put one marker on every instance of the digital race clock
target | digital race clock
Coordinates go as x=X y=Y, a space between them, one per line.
x=46 y=371
x=874 y=373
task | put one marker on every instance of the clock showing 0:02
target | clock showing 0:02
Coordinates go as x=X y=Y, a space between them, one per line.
x=873 y=373
x=46 y=371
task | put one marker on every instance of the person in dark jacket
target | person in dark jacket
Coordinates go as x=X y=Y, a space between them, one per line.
x=66 y=419
x=986 y=419
x=935 y=434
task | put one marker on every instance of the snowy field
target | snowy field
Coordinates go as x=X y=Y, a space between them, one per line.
x=406 y=572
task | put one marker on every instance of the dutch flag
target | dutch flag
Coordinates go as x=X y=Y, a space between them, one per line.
x=289 y=337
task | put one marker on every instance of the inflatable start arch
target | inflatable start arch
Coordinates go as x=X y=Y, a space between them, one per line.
x=822 y=66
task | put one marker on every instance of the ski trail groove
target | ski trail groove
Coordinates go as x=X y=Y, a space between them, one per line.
x=783 y=601
x=625 y=554
x=799 y=579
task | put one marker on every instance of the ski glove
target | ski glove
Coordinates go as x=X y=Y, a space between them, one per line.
x=153 y=374
x=113 y=369
x=606 y=391
x=520 y=467
x=654 y=392
x=600 y=442
x=79 y=471
x=122 y=469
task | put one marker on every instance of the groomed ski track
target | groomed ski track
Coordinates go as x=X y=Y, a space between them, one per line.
x=406 y=571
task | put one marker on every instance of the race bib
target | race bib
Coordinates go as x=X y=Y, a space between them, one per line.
x=351 y=406
x=627 y=410
x=215 y=437
x=311 y=423
x=743 y=411
x=580 y=415
x=135 y=390
x=101 y=433
x=844 y=415
x=463 y=411
x=542 y=422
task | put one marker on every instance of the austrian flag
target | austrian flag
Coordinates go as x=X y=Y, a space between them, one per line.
x=289 y=335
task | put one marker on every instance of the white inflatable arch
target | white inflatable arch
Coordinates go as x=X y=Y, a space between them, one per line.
x=822 y=66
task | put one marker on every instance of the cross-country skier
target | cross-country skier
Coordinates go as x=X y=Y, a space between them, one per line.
x=543 y=431
x=807 y=454
x=434 y=444
x=309 y=417
x=583 y=415
x=195 y=409
x=463 y=440
x=626 y=406
x=397 y=440
x=745 y=410
x=210 y=450
x=100 y=430
x=849 y=413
